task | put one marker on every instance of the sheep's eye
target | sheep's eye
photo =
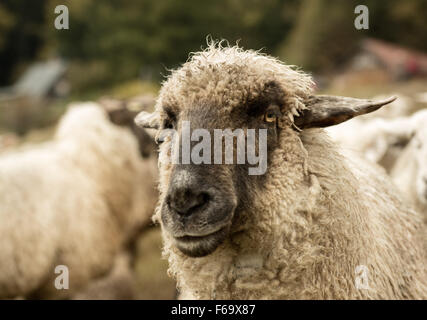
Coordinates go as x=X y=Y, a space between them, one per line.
x=168 y=125
x=169 y=119
x=270 y=116
x=162 y=135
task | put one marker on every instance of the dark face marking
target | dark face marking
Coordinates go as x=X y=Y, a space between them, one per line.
x=204 y=202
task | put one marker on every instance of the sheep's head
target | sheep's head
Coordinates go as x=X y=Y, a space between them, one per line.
x=203 y=202
x=122 y=113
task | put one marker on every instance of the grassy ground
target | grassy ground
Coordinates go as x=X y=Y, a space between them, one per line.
x=153 y=281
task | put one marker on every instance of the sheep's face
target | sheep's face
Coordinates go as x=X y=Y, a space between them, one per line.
x=419 y=143
x=205 y=199
x=202 y=200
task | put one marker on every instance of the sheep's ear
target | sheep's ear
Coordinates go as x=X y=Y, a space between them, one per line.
x=324 y=111
x=147 y=120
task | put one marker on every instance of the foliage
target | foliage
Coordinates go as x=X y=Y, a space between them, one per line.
x=324 y=36
x=21 y=25
x=111 y=41
x=142 y=38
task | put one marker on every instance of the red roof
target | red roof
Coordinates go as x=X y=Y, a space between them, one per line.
x=396 y=58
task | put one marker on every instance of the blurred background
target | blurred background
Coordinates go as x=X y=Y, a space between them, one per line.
x=123 y=48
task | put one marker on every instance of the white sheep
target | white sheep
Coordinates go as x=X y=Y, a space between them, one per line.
x=317 y=225
x=421 y=97
x=401 y=107
x=74 y=201
x=378 y=140
x=380 y=136
x=410 y=171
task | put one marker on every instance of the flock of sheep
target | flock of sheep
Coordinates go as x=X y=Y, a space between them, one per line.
x=323 y=209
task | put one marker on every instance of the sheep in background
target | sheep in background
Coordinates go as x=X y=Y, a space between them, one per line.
x=380 y=136
x=302 y=230
x=378 y=140
x=421 y=97
x=123 y=112
x=401 y=107
x=395 y=144
x=74 y=201
x=410 y=170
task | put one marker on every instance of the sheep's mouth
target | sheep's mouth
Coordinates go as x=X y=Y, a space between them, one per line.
x=199 y=246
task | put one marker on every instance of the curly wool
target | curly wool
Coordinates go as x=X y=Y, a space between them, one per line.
x=320 y=216
x=233 y=75
x=72 y=202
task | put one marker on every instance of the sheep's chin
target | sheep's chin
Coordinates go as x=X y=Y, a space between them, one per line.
x=196 y=247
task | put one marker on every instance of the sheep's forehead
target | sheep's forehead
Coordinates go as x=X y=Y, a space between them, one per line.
x=228 y=77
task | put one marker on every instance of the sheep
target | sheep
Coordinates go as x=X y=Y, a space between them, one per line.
x=378 y=140
x=74 y=201
x=421 y=97
x=319 y=224
x=410 y=171
x=380 y=136
x=122 y=112
x=391 y=143
x=401 y=107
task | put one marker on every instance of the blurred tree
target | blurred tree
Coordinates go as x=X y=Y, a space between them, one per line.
x=115 y=40
x=128 y=38
x=7 y=21
x=402 y=22
x=21 y=24
x=324 y=35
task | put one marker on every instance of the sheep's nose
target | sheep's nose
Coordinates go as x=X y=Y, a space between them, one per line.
x=186 y=201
